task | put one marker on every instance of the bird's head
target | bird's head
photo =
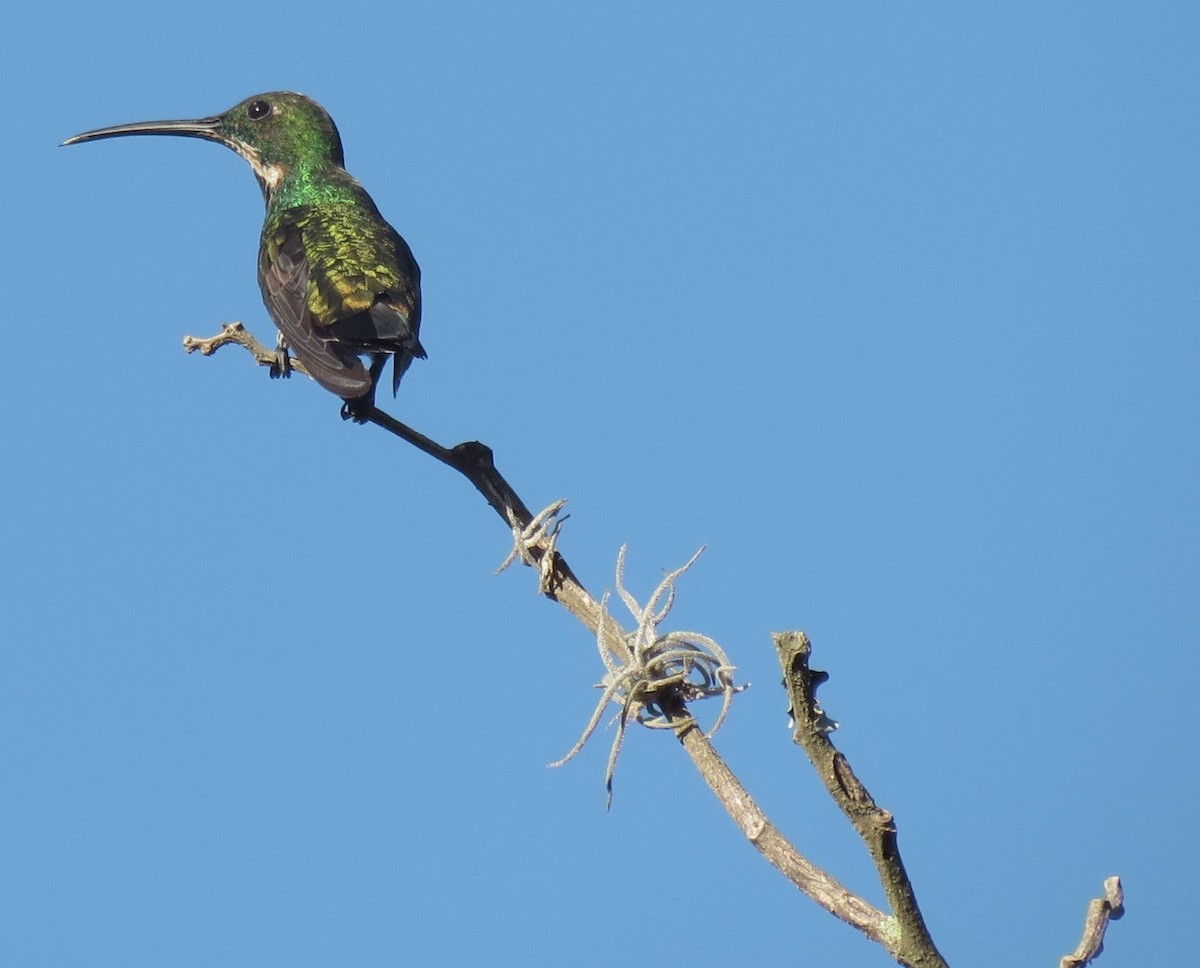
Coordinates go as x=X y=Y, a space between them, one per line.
x=279 y=134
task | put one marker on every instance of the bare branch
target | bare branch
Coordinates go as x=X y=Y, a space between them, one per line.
x=912 y=944
x=768 y=841
x=471 y=459
x=236 y=334
x=664 y=664
x=1100 y=911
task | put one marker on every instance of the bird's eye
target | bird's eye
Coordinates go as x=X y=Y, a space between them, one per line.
x=258 y=110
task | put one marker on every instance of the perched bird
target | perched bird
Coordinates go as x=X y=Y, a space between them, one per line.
x=337 y=279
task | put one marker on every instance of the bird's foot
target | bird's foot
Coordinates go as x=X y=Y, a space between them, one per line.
x=282 y=365
x=359 y=409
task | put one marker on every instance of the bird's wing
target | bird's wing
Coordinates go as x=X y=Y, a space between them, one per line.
x=283 y=272
x=387 y=293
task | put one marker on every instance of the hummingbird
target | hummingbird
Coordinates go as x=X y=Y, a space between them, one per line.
x=337 y=279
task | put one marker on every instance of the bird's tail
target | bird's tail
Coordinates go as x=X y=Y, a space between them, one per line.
x=402 y=360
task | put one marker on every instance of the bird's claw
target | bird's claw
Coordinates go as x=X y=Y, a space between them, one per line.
x=282 y=365
x=359 y=409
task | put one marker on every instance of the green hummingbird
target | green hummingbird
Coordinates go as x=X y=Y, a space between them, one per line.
x=336 y=278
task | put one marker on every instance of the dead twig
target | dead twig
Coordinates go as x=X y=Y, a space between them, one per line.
x=910 y=942
x=1100 y=911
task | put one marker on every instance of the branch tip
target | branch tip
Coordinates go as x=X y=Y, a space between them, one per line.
x=1100 y=911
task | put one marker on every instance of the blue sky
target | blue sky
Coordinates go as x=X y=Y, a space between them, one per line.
x=892 y=306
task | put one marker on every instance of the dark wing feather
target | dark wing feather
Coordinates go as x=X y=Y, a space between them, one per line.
x=283 y=276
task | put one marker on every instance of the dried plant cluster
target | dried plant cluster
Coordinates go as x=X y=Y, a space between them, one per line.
x=649 y=672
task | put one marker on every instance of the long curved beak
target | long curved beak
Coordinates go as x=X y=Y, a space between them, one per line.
x=208 y=128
